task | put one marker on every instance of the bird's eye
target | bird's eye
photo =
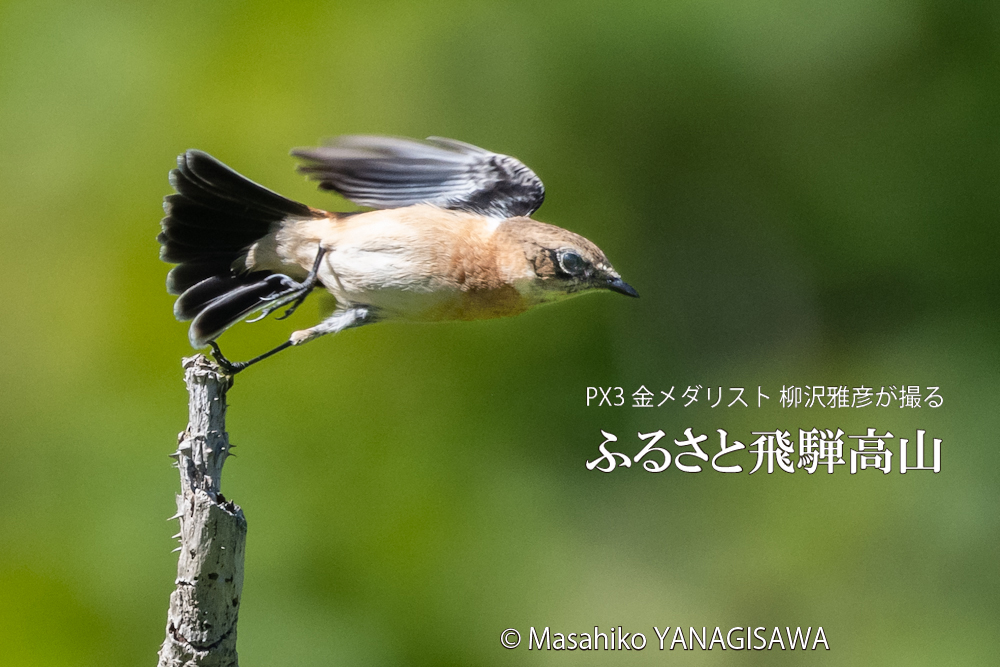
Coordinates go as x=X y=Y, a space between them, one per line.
x=571 y=263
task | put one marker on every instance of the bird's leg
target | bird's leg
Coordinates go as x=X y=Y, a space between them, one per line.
x=234 y=367
x=308 y=284
x=350 y=318
x=354 y=316
x=295 y=294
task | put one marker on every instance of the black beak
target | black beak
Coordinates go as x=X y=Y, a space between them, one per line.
x=622 y=287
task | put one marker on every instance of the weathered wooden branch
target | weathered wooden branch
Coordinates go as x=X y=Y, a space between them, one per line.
x=201 y=622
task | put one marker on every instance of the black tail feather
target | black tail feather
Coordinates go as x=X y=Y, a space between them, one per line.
x=197 y=298
x=217 y=212
x=201 y=177
x=231 y=306
x=211 y=221
x=184 y=276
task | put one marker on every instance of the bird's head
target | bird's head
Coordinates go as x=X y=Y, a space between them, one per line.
x=560 y=263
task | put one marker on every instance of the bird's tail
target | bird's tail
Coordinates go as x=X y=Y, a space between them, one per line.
x=211 y=221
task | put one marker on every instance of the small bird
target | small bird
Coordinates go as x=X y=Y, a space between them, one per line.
x=449 y=239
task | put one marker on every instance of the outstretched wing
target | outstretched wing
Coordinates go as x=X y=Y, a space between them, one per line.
x=390 y=172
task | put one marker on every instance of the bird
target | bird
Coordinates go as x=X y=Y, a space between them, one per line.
x=447 y=235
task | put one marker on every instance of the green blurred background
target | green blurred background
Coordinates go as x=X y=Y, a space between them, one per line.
x=803 y=193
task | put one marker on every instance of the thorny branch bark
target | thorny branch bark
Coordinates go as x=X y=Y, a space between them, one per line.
x=201 y=621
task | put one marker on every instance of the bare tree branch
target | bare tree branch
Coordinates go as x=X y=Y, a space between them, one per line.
x=201 y=622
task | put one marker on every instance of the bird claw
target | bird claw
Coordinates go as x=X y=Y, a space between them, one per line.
x=295 y=294
x=230 y=367
x=295 y=304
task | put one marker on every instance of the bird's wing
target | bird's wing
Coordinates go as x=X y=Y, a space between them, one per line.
x=390 y=172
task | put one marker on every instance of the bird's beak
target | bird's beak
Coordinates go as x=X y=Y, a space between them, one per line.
x=622 y=287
